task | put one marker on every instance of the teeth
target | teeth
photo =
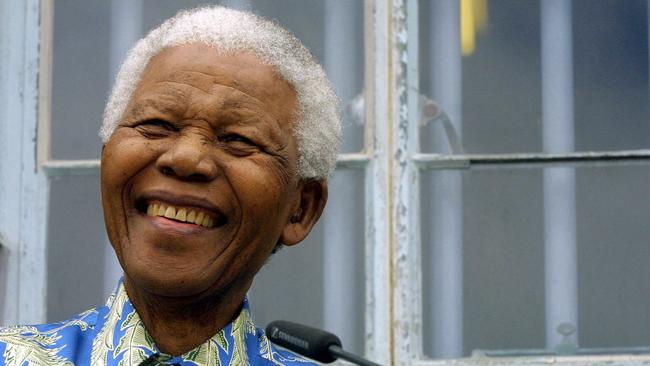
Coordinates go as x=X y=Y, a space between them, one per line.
x=199 y=218
x=191 y=216
x=180 y=214
x=206 y=222
x=170 y=213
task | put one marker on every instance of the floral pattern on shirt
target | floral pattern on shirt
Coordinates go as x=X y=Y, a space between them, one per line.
x=114 y=335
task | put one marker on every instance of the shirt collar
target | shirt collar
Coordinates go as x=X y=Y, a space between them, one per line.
x=122 y=336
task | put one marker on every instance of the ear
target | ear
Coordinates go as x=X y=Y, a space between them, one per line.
x=313 y=196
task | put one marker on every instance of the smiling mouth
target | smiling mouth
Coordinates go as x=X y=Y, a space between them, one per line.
x=189 y=215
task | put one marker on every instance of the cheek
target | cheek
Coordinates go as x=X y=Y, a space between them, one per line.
x=122 y=159
x=258 y=187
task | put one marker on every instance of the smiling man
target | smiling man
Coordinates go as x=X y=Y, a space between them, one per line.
x=219 y=136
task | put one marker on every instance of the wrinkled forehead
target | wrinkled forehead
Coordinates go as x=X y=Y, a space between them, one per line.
x=205 y=67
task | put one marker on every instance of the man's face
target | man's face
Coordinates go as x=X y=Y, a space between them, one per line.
x=207 y=137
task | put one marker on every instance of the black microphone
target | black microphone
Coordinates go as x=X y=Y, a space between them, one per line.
x=314 y=343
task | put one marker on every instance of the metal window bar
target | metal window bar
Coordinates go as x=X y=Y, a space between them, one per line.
x=57 y=168
x=445 y=199
x=560 y=244
x=341 y=313
x=532 y=160
x=592 y=360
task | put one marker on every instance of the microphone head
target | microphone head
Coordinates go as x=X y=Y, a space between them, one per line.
x=307 y=341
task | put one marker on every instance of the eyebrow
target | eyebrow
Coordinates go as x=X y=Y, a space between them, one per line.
x=236 y=110
x=168 y=105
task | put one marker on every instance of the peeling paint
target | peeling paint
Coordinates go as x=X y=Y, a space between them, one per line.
x=25 y=188
x=405 y=189
x=377 y=181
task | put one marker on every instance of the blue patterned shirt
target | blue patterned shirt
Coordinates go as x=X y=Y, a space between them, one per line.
x=115 y=335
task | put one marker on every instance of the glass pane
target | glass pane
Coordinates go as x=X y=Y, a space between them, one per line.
x=89 y=46
x=80 y=77
x=611 y=74
x=553 y=260
x=486 y=69
x=76 y=247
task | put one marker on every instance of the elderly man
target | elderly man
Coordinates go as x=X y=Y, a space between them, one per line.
x=219 y=136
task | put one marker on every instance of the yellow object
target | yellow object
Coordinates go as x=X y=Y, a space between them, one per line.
x=473 y=19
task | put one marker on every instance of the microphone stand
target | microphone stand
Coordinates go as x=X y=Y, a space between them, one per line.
x=338 y=352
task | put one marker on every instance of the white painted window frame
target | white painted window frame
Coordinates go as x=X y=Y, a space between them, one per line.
x=394 y=303
x=24 y=189
x=391 y=161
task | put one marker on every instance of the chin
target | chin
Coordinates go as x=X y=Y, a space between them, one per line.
x=168 y=283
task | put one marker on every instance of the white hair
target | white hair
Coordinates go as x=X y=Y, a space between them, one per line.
x=317 y=127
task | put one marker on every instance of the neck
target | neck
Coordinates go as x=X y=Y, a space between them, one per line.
x=178 y=325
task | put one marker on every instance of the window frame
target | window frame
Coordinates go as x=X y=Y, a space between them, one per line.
x=391 y=162
x=400 y=85
x=24 y=190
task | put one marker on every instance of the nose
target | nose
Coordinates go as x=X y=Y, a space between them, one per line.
x=189 y=157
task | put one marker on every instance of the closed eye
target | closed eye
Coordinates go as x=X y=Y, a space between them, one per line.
x=158 y=123
x=236 y=138
x=155 y=128
x=239 y=145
